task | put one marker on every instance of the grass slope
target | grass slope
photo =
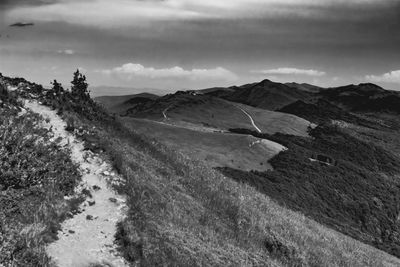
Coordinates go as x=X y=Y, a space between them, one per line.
x=359 y=196
x=35 y=174
x=182 y=213
x=215 y=149
x=216 y=113
x=272 y=122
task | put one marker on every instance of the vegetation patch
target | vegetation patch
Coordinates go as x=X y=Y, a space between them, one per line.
x=35 y=175
x=358 y=195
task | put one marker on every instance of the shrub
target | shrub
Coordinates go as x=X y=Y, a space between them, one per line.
x=356 y=197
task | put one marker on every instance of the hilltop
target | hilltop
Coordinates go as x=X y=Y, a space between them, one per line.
x=265 y=94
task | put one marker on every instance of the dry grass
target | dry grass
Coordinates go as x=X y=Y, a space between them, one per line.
x=181 y=213
x=237 y=151
x=34 y=177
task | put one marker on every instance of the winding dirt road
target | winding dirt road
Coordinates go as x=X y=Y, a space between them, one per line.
x=164 y=112
x=250 y=117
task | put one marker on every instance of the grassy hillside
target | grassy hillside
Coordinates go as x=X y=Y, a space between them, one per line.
x=215 y=113
x=183 y=213
x=277 y=122
x=358 y=194
x=35 y=175
x=213 y=148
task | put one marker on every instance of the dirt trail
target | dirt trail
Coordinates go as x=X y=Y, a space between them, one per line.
x=164 y=112
x=250 y=117
x=88 y=237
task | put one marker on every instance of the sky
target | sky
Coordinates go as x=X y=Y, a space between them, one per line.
x=191 y=44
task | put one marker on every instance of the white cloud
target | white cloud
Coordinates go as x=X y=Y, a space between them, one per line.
x=66 y=52
x=106 y=13
x=291 y=71
x=389 y=77
x=132 y=70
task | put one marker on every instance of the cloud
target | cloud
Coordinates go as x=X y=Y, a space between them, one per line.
x=22 y=24
x=389 y=77
x=66 y=52
x=11 y=3
x=106 y=13
x=132 y=70
x=291 y=71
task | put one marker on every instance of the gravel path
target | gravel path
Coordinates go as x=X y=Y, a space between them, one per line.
x=88 y=237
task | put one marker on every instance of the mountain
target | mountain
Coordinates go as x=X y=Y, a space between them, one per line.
x=265 y=94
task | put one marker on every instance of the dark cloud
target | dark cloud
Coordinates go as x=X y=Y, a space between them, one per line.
x=13 y=3
x=22 y=24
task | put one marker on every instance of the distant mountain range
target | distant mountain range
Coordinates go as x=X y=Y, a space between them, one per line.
x=308 y=101
x=104 y=90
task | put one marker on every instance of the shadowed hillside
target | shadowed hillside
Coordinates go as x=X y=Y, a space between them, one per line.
x=364 y=97
x=321 y=111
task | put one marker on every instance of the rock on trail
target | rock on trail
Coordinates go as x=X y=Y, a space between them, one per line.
x=84 y=241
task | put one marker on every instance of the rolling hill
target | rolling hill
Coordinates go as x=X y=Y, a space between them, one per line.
x=120 y=104
x=215 y=149
x=215 y=113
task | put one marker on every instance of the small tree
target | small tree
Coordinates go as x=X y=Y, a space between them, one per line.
x=55 y=96
x=57 y=88
x=79 y=88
